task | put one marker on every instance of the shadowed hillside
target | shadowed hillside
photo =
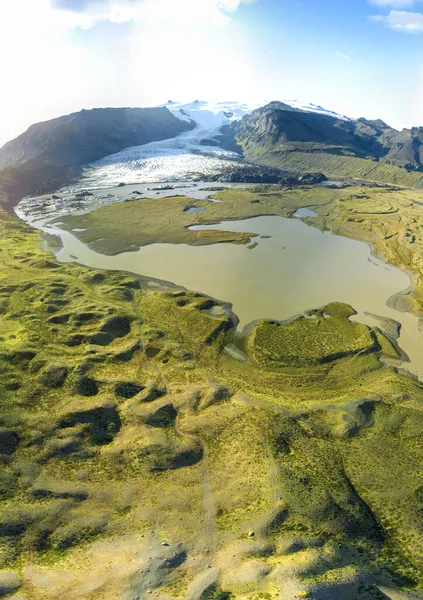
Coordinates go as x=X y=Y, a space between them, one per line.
x=89 y=135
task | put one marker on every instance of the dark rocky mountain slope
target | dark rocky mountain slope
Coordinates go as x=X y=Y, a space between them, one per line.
x=89 y=135
x=297 y=140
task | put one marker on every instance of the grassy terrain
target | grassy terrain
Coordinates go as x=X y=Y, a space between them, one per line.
x=127 y=226
x=310 y=341
x=137 y=456
x=304 y=142
x=334 y=166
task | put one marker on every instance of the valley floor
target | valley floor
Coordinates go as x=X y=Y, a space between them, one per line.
x=140 y=459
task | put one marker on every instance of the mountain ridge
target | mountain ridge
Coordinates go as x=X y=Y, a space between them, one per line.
x=88 y=135
x=278 y=135
x=272 y=126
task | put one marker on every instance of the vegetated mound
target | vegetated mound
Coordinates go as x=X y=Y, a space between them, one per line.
x=305 y=141
x=320 y=338
x=89 y=135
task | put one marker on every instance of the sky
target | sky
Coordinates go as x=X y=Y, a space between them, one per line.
x=360 y=58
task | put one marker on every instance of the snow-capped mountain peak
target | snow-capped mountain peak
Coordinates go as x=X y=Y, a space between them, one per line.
x=209 y=115
x=310 y=107
x=214 y=114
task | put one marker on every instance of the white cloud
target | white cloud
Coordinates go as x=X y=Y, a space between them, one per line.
x=178 y=12
x=393 y=3
x=170 y=48
x=38 y=70
x=407 y=22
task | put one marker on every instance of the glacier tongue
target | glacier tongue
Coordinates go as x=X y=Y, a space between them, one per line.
x=188 y=156
x=182 y=158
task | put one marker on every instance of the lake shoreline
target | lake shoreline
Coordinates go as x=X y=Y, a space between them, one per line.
x=209 y=222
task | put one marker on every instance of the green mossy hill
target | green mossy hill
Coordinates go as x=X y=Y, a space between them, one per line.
x=137 y=456
x=335 y=167
x=338 y=309
x=312 y=340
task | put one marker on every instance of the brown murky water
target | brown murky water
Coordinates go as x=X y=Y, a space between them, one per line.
x=297 y=268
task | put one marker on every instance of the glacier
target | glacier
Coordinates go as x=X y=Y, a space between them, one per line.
x=184 y=158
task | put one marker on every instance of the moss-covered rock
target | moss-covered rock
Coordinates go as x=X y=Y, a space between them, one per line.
x=101 y=421
x=79 y=530
x=128 y=389
x=117 y=326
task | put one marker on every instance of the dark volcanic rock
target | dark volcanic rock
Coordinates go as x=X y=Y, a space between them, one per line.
x=250 y=173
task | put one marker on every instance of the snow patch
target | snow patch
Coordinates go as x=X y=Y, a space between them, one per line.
x=315 y=108
x=216 y=114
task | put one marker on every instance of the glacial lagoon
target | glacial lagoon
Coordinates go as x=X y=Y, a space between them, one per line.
x=289 y=268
